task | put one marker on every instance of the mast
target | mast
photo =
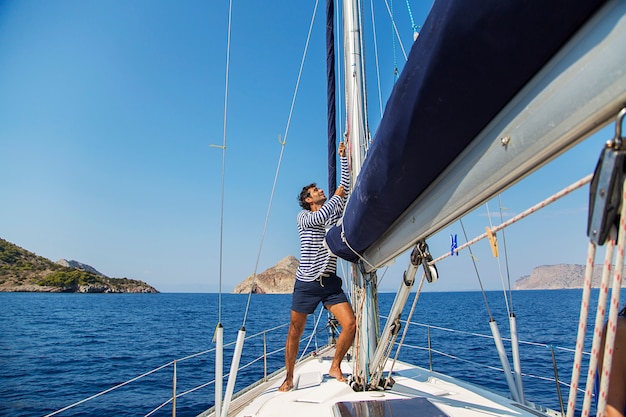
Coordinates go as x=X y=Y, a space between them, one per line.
x=357 y=132
x=364 y=285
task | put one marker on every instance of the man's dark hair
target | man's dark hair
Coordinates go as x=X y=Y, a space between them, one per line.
x=304 y=194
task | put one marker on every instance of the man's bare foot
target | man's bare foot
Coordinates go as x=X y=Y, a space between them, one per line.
x=286 y=386
x=337 y=374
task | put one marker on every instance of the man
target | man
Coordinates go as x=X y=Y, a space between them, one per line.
x=316 y=277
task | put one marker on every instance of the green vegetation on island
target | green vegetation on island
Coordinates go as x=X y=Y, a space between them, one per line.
x=24 y=271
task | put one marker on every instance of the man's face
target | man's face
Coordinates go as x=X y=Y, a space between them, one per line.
x=316 y=196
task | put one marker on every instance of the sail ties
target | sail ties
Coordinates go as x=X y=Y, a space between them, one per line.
x=345 y=240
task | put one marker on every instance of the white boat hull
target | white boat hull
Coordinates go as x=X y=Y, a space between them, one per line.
x=318 y=395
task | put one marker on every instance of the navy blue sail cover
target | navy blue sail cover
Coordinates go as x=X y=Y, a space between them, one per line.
x=469 y=61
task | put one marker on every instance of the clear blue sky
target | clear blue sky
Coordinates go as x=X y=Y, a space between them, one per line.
x=108 y=110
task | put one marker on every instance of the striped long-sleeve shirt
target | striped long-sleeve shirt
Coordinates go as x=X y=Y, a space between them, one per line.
x=315 y=258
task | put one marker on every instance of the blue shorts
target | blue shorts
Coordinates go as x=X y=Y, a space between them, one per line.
x=307 y=295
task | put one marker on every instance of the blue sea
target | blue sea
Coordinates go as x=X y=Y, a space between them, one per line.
x=59 y=349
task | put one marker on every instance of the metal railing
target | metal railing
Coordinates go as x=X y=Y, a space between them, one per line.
x=546 y=355
x=174 y=366
x=268 y=351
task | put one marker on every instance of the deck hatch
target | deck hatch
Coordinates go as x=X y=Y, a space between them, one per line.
x=410 y=407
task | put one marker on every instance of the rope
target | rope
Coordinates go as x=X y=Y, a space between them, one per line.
x=319 y=316
x=520 y=216
x=345 y=240
x=611 y=327
x=283 y=142
x=597 y=334
x=582 y=324
x=360 y=296
x=413 y=25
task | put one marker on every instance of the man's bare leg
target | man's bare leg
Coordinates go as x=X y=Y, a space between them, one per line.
x=343 y=312
x=296 y=328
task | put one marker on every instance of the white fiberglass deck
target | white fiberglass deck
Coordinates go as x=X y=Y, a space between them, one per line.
x=318 y=395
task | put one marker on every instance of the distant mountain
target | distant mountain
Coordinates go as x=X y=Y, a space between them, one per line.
x=278 y=279
x=558 y=277
x=24 y=271
x=81 y=266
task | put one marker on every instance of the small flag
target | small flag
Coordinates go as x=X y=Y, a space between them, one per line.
x=453 y=245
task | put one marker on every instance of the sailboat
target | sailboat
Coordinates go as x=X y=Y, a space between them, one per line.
x=490 y=93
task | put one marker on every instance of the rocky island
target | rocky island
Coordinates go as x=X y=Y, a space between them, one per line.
x=278 y=279
x=24 y=271
x=552 y=277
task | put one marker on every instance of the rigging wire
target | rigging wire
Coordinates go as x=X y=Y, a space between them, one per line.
x=223 y=147
x=477 y=274
x=578 y=184
x=365 y=120
x=506 y=299
x=218 y=335
x=380 y=98
x=406 y=327
x=517 y=366
x=393 y=46
x=506 y=258
x=313 y=335
x=283 y=142
x=338 y=44
x=267 y=217
x=395 y=28
x=516 y=394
